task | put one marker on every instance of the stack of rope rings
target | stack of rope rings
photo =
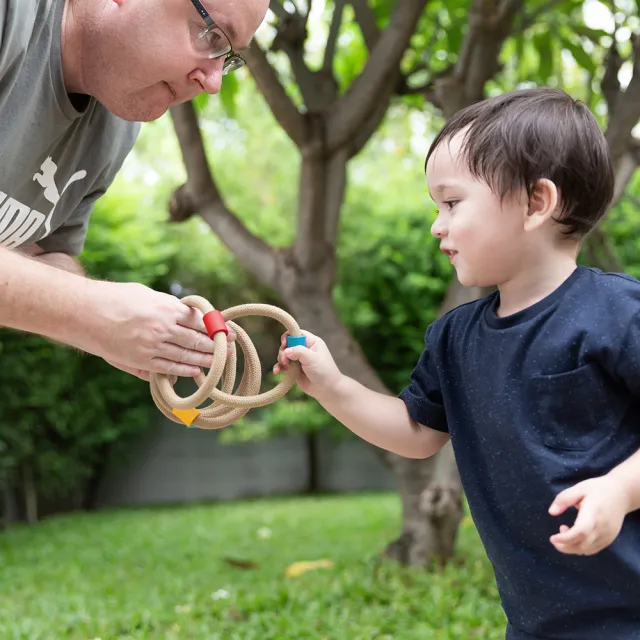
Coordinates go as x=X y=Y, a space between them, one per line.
x=227 y=407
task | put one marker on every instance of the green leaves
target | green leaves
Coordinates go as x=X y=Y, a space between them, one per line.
x=573 y=44
x=227 y=94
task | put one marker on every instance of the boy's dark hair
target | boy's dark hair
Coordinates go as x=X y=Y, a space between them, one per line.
x=517 y=138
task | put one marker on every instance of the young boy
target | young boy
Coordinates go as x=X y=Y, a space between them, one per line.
x=538 y=384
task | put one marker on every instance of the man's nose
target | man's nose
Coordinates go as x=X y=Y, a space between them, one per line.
x=209 y=75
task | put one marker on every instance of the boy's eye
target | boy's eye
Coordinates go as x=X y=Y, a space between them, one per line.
x=451 y=203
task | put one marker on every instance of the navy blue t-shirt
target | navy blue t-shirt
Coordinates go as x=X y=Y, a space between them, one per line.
x=536 y=402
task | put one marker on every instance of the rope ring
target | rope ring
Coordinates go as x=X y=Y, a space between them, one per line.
x=227 y=407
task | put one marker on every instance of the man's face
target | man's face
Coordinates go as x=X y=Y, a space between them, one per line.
x=482 y=234
x=143 y=56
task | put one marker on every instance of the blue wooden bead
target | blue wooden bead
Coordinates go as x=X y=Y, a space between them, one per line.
x=296 y=341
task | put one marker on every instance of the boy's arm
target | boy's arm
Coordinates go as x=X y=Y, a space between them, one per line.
x=627 y=473
x=382 y=420
x=602 y=505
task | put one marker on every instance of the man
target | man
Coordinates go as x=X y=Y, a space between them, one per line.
x=76 y=76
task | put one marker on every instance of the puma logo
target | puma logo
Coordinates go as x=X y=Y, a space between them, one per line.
x=19 y=222
x=46 y=179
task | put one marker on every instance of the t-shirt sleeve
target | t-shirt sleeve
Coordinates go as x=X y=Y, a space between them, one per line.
x=423 y=396
x=3 y=28
x=70 y=237
x=628 y=360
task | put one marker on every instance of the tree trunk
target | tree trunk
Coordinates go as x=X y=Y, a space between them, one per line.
x=430 y=490
x=30 y=493
x=10 y=510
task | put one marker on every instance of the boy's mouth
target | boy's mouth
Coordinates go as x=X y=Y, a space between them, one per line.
x=450 y=253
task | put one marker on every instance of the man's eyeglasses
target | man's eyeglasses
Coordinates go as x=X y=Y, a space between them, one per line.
x=215 y=43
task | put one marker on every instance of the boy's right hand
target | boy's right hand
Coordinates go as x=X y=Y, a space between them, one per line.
x=320 y=374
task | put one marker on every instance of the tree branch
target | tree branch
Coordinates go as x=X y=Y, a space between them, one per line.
x=372 y=124
x=278 y=9
x=598 y=246
x=610 y=85
x=532 y=18
x=334 y=30
x=201 y=194
x=367 y=22
x=285 y=112
x=625 y=168
x=626 y=111
x=489 y=25
x=347 y=115
x=318 y=89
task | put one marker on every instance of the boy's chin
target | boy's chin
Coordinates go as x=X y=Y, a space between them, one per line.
x=466 y=279
x=472 y=280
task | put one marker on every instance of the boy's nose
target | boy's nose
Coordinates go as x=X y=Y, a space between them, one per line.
x=438 y=229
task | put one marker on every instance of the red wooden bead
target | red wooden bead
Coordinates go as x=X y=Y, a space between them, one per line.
x=214 y=322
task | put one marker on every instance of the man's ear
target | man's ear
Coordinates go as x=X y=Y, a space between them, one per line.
x=542 y=204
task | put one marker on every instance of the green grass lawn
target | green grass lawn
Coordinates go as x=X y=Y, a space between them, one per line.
x=165 y=573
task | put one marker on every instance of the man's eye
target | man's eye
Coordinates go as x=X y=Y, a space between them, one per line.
x=212 y=38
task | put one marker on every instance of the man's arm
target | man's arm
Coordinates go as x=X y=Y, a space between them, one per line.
x=58 y=260
x=128 y=324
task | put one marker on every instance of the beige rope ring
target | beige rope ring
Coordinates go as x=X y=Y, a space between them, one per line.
x=227 y=407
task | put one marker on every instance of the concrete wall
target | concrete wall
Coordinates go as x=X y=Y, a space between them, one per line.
x=173 y=464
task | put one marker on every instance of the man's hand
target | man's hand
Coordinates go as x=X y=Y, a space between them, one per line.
x=137 y=329
x=602 y=505
x=142 y=330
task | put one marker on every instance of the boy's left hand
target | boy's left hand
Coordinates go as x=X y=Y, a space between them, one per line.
x=602 y=504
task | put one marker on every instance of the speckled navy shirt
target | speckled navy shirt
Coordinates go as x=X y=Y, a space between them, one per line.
x=534 y=403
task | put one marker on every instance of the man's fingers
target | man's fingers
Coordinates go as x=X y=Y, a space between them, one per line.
x=192 y=319
x=180 y=355
x=161 y=365
x=191 y=339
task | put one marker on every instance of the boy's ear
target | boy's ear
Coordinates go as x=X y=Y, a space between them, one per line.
x=542 y=204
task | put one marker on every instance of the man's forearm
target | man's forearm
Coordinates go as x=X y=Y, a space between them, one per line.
x=628 y=472
x=37 y=298
x=61 y=261
x=56 y=259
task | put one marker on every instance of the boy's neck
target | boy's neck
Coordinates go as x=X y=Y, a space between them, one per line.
x=535 y=282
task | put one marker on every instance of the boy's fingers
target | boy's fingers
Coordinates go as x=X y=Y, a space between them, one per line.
x=568 y=498
x=581 y=532
x=301 y=354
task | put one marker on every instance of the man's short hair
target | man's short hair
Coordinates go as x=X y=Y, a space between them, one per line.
x=515 y=139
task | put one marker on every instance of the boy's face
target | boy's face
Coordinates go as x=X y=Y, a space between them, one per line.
x=483 y=236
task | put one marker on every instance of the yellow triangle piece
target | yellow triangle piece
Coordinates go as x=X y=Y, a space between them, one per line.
x=186 y=415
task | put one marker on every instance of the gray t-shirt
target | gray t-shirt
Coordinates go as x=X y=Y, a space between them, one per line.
x=55 y=161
